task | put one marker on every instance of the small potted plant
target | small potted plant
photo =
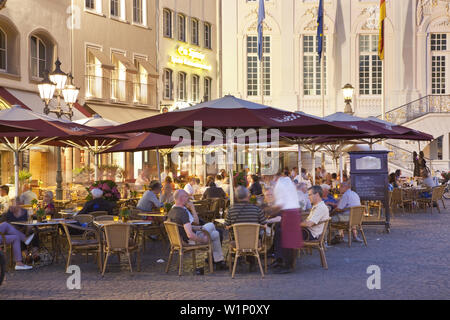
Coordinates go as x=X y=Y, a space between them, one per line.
x=34 y=204
x=125 y=214
x=40 y=214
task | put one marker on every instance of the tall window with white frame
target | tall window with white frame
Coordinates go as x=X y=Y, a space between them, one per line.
x=207 y=35
x=312 y=82
x=141 y=92
x=195 y=95
x=168 y=84
x=138 y=11
x=94 y=76
x=89 y=4
x=207 y=89
x=167 y=23
x=253 y=69
x=3 y=51
x=194 y=31
x=181 y=84
x=370 y=66
x=181 y=28
x=115 y=8
x=440 y=57
x=38 y=57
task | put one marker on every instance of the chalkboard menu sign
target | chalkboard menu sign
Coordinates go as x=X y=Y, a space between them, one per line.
x=369 y=177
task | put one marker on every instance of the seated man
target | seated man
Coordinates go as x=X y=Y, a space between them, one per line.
x=302 y=191
x=15 y=237
x=243 y=211
x=4 y=199
x=311 y=230
x=342 y=211
x=97 y=203
x=189 y=187
x=327 y=198
x=27 y=195
x=213 y=192
x=149 y=200
x=183 y=213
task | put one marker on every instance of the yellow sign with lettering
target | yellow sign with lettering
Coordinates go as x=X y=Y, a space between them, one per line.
x=190 y=57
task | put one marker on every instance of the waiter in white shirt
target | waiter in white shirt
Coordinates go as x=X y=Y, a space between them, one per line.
x=189 y=187
x=286 y=200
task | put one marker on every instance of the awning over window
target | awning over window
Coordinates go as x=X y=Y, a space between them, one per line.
x=121 y=114
x=33 y=102
x=151 y=70
x=102 y=57
x=129 y=65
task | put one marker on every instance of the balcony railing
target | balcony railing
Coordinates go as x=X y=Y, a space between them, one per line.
x=419 y=108
x=120 y=91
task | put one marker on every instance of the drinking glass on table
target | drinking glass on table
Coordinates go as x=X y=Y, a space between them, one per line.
x=116 y=219
x=48 y=217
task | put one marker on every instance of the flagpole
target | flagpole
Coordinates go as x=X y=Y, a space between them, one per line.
x=262 y=74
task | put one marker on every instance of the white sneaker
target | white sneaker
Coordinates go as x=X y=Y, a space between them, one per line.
x=24 y=267
x=28 y=240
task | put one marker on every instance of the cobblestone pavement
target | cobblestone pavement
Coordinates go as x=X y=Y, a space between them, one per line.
x=413 y=260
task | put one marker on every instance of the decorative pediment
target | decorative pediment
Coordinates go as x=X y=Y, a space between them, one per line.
x=428 y=7
x=254 y=27
x=373 y=18
x=313 y=14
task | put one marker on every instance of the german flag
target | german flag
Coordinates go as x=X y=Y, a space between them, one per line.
x=381 y=36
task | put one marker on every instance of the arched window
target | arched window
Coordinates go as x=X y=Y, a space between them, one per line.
x=182 y=96
x=207 y=35
x=38 y=53
x=194 y=31
x=440 y=62
x=253 y=67
x=312 y=74
x=207 y=89
x=167 y=23
x=168 y=84
x=181 y=28
x=195 y=88
x=3 y=51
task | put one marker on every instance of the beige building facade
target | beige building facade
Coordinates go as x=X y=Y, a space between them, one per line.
x=188 y=49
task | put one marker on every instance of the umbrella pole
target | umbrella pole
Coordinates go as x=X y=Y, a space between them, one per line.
x=341 y=174
x=95 y=160
x=299 y=159
x=313 y=158
x=204 y=167
x=157 y=162
x=16 y=165
x=231 y=175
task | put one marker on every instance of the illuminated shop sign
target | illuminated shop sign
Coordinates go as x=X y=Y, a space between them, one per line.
x=190 y=57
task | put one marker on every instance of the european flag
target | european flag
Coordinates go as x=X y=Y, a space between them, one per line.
x=261 y=17
x=320 y=30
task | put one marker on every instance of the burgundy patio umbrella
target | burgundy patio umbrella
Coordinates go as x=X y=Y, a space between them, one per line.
x=230 y=112
x=47 y=130
x=6 y=127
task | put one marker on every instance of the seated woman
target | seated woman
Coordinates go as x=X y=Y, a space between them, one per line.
x=167 y=191
x=213 y=192
x=255 y=189
x=427 y=182
x=392 y=182
x=17 y=214
x=15 y=237
x=48 y=204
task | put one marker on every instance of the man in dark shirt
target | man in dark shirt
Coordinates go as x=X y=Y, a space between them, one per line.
x=243 y=211
x=183 y=213
x=255 y=188
x=214 y=192
x=97 y=203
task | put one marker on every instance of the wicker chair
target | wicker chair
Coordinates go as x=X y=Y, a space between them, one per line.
x=247 y=243
x=436 y=195
x=8 y=251
x=319 y=244
x=355 y=221
x=84 y=218
x=177 y=244
x=397 y=200
x=118 y=241
x=83 y=245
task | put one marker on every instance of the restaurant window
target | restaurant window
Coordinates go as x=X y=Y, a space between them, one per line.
x=440 y=56
x=194 y=31
x=370 y=66
x=181 y=28
x=253 y=68
x=195 y=88
x=38 y=57
x=181 y=86
x=167 y=23
x=207 y=35
x=312 y=81
x=207 y=89
x=3 y=51
x=168 y=84
x=138 y=11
